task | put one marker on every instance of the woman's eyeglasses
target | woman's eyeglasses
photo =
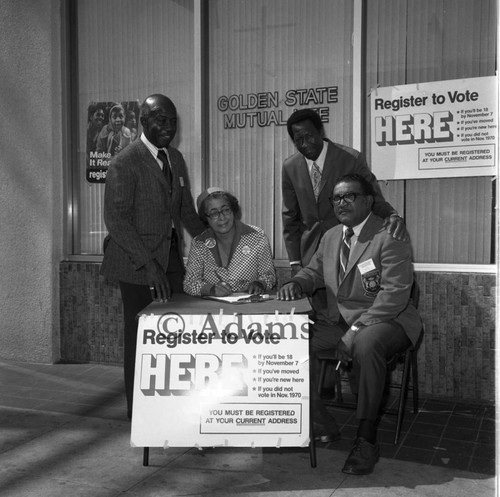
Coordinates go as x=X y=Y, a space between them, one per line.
x=214 y=214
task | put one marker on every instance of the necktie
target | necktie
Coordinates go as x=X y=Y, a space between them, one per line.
x=345 y=249
x=166 y=166
x=316 y=179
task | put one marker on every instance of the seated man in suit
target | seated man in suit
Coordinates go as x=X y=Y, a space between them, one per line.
x=368 y=276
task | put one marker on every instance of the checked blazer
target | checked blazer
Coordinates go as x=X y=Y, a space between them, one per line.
x=250 y=260
x=140 y=209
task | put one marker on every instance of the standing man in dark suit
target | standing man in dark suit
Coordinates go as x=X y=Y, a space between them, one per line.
x=307 y=212
x=368 y=275
x=147 y=202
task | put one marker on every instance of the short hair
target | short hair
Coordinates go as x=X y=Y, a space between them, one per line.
x=232 y=201
x=93 y=108
x=366 y=186
x=302 y=115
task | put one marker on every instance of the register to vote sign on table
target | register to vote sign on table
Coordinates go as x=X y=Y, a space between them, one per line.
x=219 y=379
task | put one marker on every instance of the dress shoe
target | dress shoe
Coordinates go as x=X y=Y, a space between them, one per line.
x=362 y=459
x=326 y=433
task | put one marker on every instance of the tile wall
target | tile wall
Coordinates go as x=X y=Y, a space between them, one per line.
x=456 y=357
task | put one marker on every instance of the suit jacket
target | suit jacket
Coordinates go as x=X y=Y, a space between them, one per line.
x=139 y=210
x=377 y=284
x=305 y=221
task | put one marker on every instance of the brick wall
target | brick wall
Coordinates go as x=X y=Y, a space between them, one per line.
x=457 y=355
x=91 y=315
x=456 y=358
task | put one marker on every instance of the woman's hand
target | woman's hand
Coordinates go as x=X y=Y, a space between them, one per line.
x=255 y=288
x=222 y=289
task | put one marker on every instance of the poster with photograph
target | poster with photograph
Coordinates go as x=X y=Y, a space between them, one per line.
x=111 y=126
x=221 y=380
x=435 y=130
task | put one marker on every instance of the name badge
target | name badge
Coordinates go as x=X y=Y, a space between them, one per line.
x=366 y=266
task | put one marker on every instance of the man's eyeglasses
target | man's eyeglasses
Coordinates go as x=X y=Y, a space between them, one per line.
x=214 y=214
x=348 y=198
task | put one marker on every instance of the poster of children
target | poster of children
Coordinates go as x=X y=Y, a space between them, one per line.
x=111 y=126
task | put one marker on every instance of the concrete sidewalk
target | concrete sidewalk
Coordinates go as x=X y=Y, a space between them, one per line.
x=64 y=432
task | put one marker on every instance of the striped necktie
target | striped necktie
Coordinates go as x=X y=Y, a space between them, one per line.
x=315 y=179
x=345 y=249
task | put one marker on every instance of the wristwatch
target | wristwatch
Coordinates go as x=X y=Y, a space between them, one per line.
x=355 y=328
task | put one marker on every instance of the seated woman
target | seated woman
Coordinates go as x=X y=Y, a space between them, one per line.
x=229 y=256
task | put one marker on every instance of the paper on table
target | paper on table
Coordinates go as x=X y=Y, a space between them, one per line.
x=239 y=298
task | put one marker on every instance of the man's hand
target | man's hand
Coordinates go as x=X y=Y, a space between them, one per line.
x=396 y=227
x=343 y=353
x=157 y=281
x=290 y=291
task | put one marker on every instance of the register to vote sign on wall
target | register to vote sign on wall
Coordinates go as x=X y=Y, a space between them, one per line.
x=214 y=380
x=435 y=130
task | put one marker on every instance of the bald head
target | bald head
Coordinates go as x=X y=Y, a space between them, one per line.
x=159 y=120
x=154 y=102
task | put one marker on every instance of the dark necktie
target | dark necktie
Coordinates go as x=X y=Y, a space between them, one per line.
x=166 y=167
x=315 y=179
x=345 y=249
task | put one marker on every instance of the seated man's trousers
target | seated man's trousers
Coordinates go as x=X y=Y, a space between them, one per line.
x=372 y=347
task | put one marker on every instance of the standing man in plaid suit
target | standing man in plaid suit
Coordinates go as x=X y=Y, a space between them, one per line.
x=147 y=203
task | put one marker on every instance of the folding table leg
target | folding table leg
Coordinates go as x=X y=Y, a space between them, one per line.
x=312 y=445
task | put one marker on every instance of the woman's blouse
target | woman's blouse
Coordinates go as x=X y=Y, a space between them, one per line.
x=250 y=260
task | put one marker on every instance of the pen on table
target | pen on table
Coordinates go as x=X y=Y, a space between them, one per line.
x=222 y=282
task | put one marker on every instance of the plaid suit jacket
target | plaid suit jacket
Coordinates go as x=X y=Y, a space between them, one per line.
x=140 y=209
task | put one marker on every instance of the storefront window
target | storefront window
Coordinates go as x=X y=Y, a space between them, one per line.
x=127 y=49
x=260 y=61
x=451 y=220
x=266 y=60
